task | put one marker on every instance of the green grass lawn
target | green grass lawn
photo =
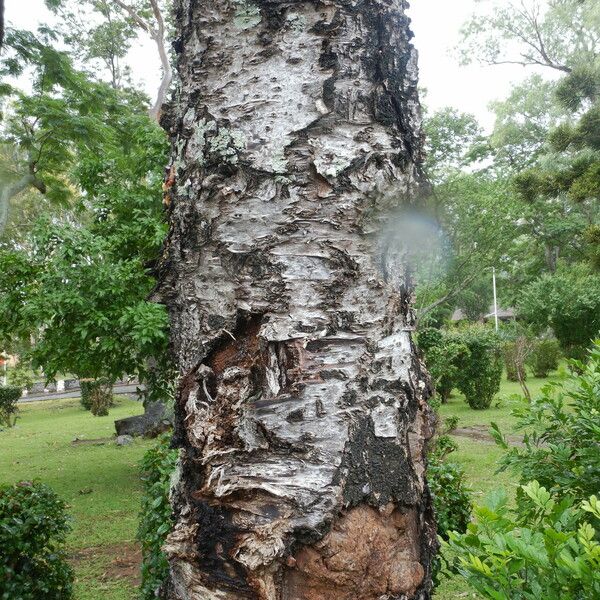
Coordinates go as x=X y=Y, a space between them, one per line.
x=99 y=482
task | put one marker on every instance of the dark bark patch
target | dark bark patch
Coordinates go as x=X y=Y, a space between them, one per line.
x=215 y=541
x=376 y=470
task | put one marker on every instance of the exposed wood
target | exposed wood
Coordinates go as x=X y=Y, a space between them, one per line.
x=301 y=410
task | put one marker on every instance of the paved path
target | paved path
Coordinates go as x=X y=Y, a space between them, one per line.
x=118 y=390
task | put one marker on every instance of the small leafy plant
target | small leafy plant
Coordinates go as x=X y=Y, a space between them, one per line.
x=33 y=529
x=9 y=396
x=545 y=548
x=21 y=377
x=156 y=517
x=96 y=396
x=442 y=351
x=562 y=434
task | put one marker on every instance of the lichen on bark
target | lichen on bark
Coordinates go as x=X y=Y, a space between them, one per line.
x=302 y=406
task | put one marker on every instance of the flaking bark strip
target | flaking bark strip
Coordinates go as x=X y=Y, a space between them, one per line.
x=302 y=410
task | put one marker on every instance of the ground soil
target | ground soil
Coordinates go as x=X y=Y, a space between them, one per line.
x=124 y=561
x=480 y=433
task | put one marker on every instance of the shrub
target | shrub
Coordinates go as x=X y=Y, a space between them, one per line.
x=562 y=434
x=156 y=517
x=544 y=548
x=9 y=396
x=21 y=377
x=451 y=497
x=96 y=396
x=442 y=352
x=516 y=353
x=33 y=528
x=479 y=370
x=544 y=357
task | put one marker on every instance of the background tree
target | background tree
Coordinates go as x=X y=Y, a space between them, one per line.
x=301 y=410
x=104 y=30
x=77 y=278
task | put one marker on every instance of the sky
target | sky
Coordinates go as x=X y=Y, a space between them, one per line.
x=436 y=24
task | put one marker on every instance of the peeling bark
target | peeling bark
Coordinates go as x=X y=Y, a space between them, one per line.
x=301 y=410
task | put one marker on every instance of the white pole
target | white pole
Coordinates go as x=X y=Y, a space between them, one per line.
x=495 y=297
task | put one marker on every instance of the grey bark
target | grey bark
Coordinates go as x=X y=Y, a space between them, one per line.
x=152 y=423
x=301 y=412
x=11 y=190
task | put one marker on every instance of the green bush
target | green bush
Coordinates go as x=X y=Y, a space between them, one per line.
x=442 y=352
x=156 y=517
x=451 y=497
x=96 y=396
x=562 y=441
x=544 y=357
x=479 y=370
x=514 y=360
x=21 y=377
x=33 y=528
x=9 y=396
x=542 y=549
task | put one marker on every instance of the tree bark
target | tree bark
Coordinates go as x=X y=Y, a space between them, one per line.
x=8 y=192
x=301 y=412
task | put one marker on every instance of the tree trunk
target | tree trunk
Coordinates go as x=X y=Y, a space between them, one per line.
x=301 y=411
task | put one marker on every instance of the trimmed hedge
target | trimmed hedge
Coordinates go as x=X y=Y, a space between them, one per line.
x=33 y=529
x=469 y=359
x=479 y=370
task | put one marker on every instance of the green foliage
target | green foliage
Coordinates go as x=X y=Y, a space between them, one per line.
x=514 y=362
x=156 y=518
x=9 y=396
x=453 y=139
x=451 y=497
x=21 y=377
x=33 y=529
x=79 y=281
x=469 y=359
x=442 y=352
x=523 y=121
x=544 y=356
x=480 y=369
x=561 y=37
x=544 y=548
x=449 y=493
x=562 y=434
x=96 y=396
x=568 y=301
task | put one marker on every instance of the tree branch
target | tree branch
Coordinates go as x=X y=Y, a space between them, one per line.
x=10 y=191
x=158 y=36
x=136 y=17
x=165 y=62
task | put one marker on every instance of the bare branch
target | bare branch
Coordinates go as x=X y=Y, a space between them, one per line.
x=165 y=62
x=158 y=35
x=136 y=17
